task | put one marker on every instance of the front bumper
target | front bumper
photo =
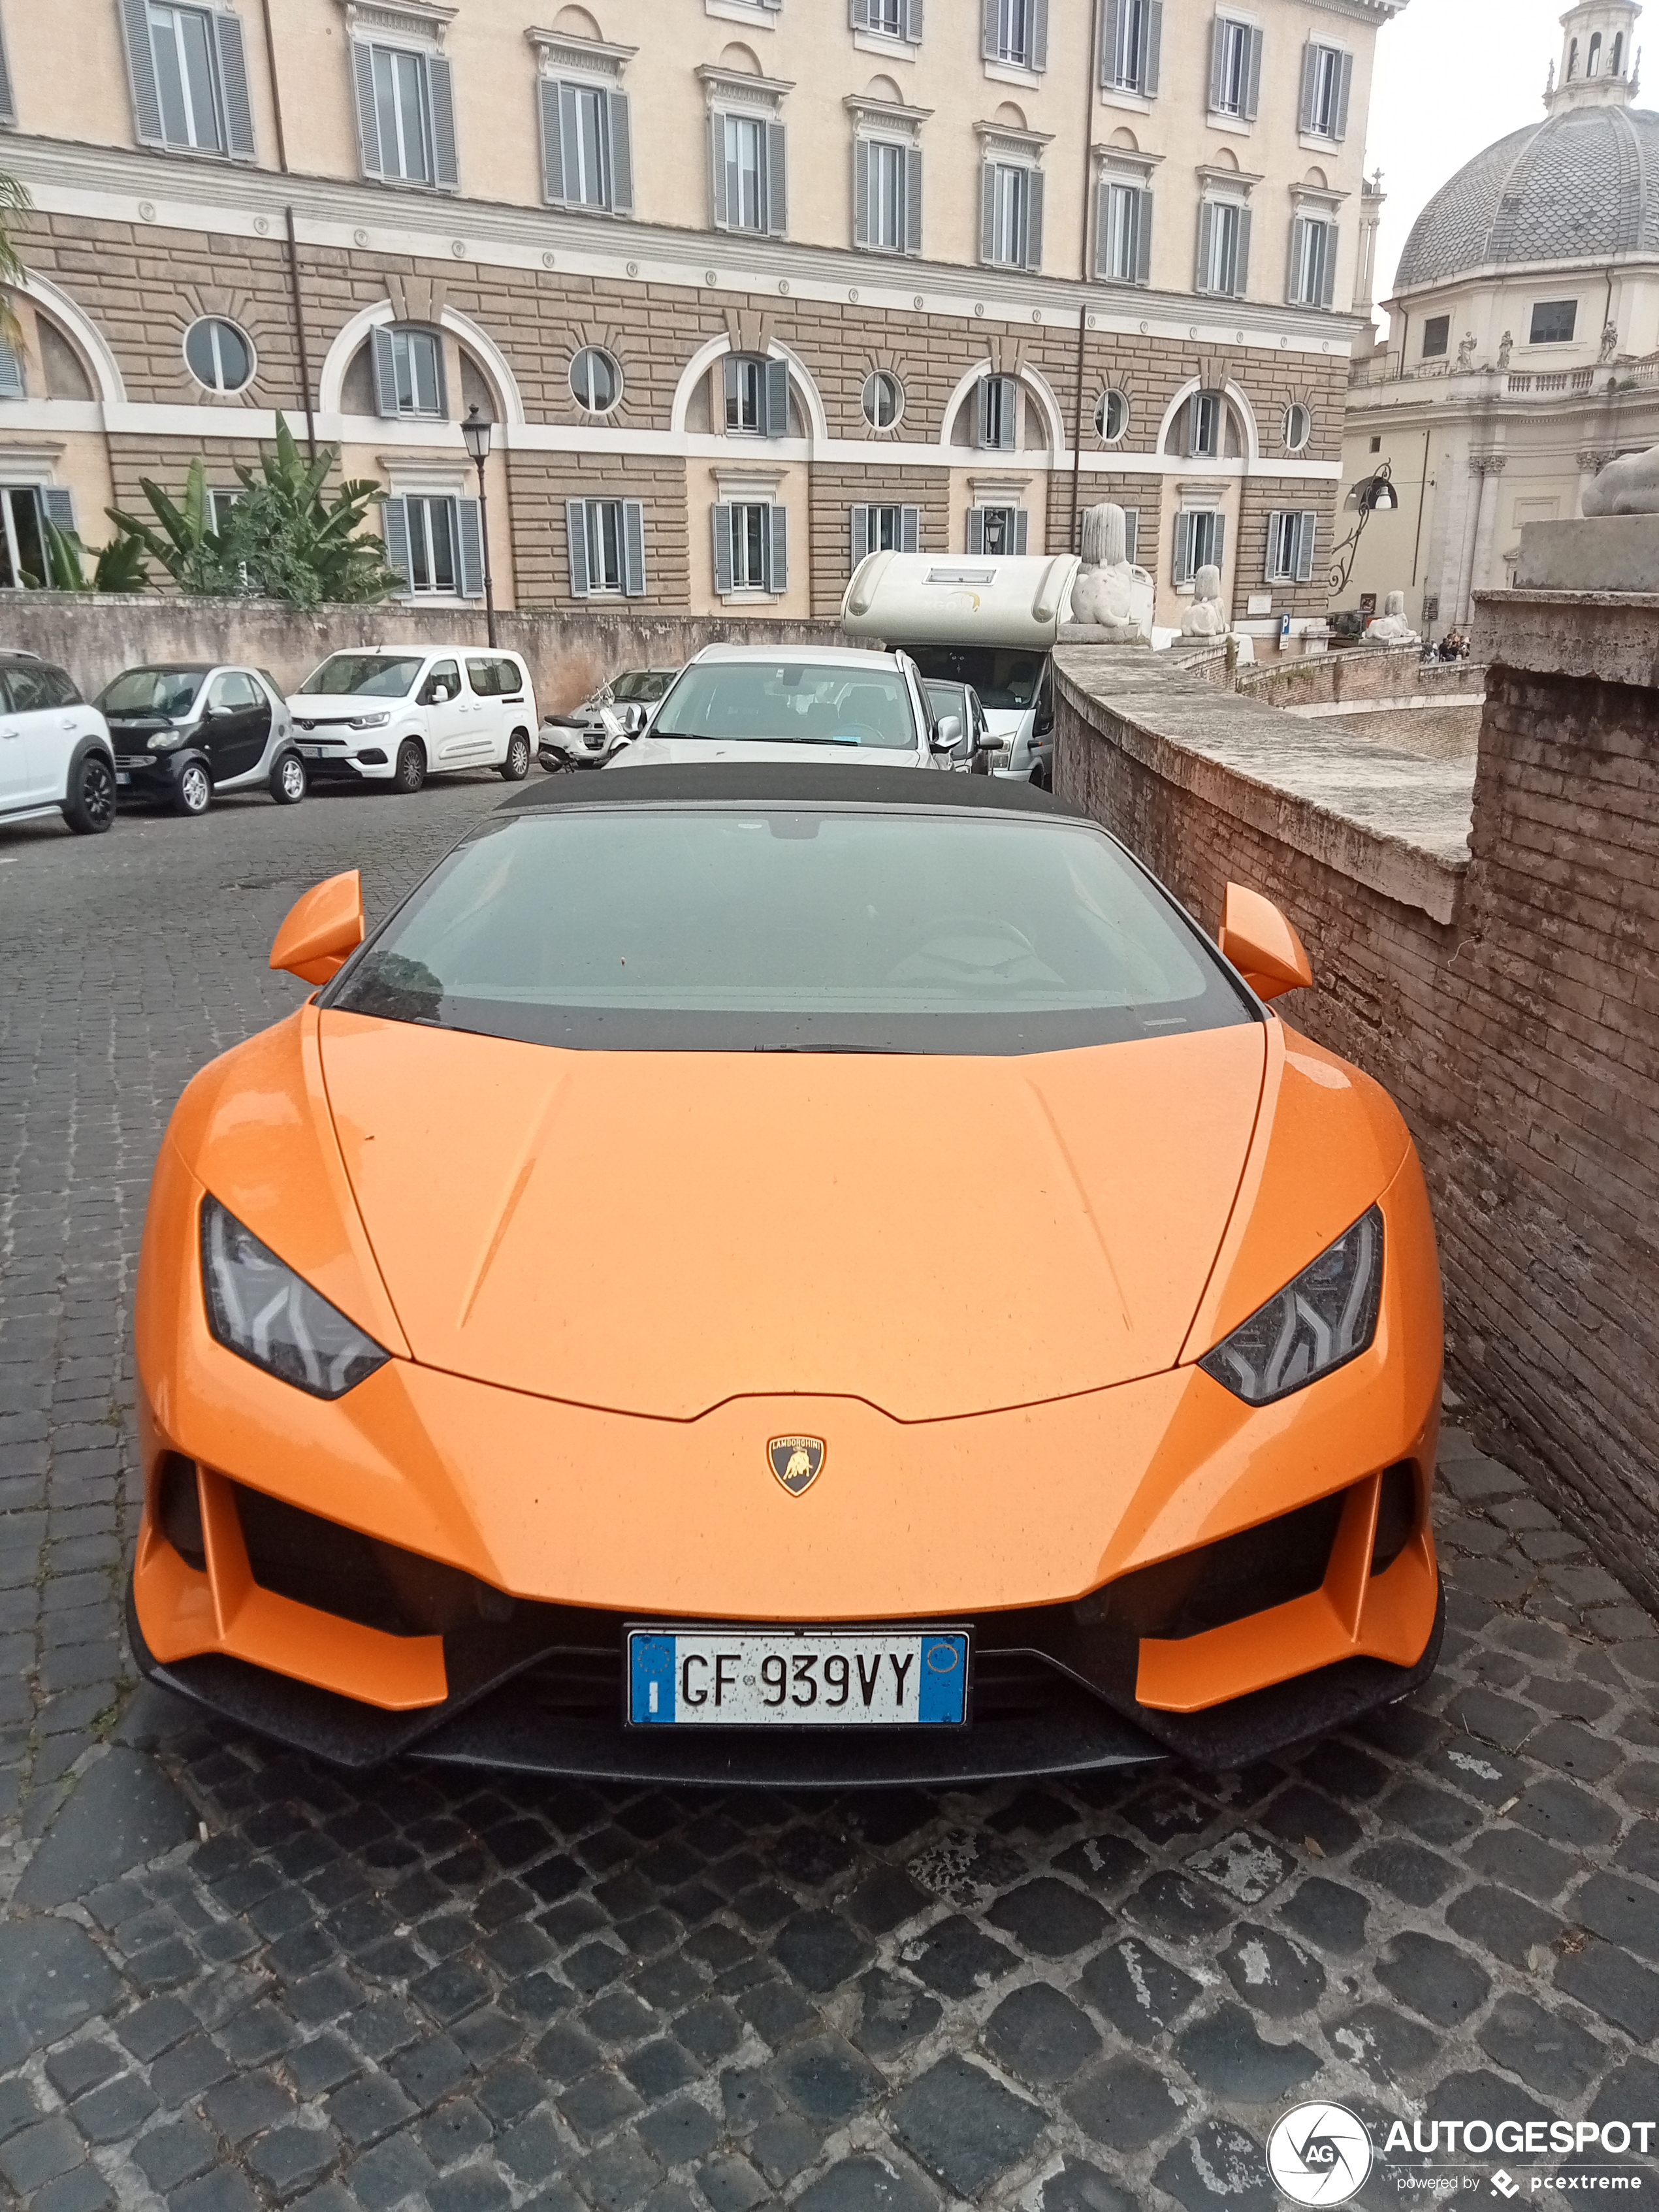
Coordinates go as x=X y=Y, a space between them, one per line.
x=334 y=764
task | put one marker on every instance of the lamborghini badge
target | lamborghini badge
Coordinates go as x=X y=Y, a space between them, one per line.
x=797 y=1462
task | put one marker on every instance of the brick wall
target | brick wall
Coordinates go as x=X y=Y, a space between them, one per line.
x=1517 y=1027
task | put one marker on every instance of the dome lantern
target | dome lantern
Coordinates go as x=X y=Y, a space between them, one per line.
x=1597 y=67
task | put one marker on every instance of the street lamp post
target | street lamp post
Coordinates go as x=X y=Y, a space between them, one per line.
x=478 y=430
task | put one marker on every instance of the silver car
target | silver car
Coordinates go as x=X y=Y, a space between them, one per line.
x=621 y=708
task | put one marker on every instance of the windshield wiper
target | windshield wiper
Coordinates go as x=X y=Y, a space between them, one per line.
x=896 y=1050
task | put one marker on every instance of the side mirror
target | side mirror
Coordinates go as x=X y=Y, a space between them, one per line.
x=947 y=734
x=634 y=719
x=323 y=928
x=986 y=742
x=1262 y=945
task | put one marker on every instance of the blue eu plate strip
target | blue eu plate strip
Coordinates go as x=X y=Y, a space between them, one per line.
x=943 y=1687
x=653 y=1672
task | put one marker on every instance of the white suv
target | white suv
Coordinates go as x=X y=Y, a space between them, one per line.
x=392 y=715
x=55 y=753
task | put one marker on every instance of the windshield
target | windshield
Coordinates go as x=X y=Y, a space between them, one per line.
x=1006 y=680
x=718 y=928
x=792 y=703
x=370 y=675
x=168 y=691
x=948 y=699
x=640 y=684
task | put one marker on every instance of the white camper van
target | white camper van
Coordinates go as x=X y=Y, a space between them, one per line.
x=978 y=619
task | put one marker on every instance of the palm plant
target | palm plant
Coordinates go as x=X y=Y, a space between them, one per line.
x=299 y=546
x=14 y=200
x=119 y=568
x=184 y=538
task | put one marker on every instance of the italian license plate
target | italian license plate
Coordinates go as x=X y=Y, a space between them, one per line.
x=315 y=752
x=797 y=1678
x=122 y=775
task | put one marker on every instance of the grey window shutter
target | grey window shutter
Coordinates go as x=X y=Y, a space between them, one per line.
x=1102 y=229
x=443 y=375
x=1328 y=267
x=989 y=14
x=1217 y=64
x=864 y=161
x=976 y=529
x=570 y=143
x=1034 y=221
x=385 y=370
x=717 y=171
x=12 y=386
x=1219 y=543
x=1307 y=532
x=1252 y=76
x=774 y=400
x=8 y=97
x=232 y=86
x=394 y=528
x=1037 y=58
x=1022 y=530
x=909 y=530
x=861 y=519
x=988 y=211
x=860 y=14
x=470 y=533
x=1310 y=84
x=57 y=504
x=913 y=199
x=140 y=71
x=985 y=440
x=1241 y=283
x=1344 y=91
x=722 y=519
x=1131 y=522
x=1206 y=214
x=440 y=90
x=633 y=549
x=777 y=562
x=369 y=120
x=1143 y=238
x=1152 y=64
x=1011 y=398
x=549 y=91
x=913 y=20
x=777 y=180
x=1185 y=525
x=1275 y=528
x=622 y=152
x=1111 y=25
x=1299 y=259
x=576 y=534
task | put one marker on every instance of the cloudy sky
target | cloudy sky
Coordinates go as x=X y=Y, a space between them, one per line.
x=1452 y=77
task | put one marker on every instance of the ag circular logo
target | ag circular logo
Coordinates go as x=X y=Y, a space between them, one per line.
x=1320 y=2154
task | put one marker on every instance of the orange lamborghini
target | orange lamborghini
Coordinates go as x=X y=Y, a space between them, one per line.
x=791 y=1275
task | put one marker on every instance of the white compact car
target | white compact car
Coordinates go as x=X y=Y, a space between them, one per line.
x=804 y=703
x=56 y=756
x=396 y=715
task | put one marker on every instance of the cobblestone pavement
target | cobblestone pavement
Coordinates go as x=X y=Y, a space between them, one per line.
x=230 y=1978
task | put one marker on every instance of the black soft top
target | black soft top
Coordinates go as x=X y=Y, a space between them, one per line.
x=781 y=783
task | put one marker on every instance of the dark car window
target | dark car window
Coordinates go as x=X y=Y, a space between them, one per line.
x=33 y=686
x=168 y=691
x=481 y=674
x=509 y=680
x=722 y=928
x=446 y=672
x=640 y=686
x=235 y=693
x=1005 y=681
x=369 y=675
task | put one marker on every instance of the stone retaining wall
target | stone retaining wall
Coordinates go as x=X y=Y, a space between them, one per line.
x=1508 y=1000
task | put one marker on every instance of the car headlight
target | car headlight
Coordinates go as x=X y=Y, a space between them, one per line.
x=370 y=721
x=164 y=740
x=262 y=1310
x=1323 y=1319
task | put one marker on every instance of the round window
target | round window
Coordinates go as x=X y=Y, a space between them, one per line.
x=1298 y=428
x=219 y=355
x=596 y=381
x=1112 y=416
x=884 y=399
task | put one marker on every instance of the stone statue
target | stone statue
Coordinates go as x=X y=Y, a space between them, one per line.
x=1629 y=485
x=1391 y=627
x=1205 y=618
x=1111 y=599
x=1609 y=342
x=1504 y=351
x=1466 y=355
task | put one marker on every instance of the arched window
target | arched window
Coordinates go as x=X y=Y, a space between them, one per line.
x=1573 y=60
x=1595 y=69
x=1616 y=65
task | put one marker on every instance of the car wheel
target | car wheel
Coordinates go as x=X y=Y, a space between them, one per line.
x=193 y=792
x=289 y=781
x=516 y=765
x=411 y=772
x=89 y=805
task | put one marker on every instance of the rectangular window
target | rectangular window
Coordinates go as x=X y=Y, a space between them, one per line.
x=999 y=414
x=587 y=156
x=432 y=561
x=403 y=114
x=1327 y=84
x=751 y=541
x=186 y=80
x=745 y=392
x=1201 y=536
x=607 y=547
x=1313 y=262
x=1011 y=231
x=409 y=371
x=1223 y=248
x=1554 y=321
x=1134 y=37
x=998 y=529
x=1436 y=337
x=23 y=539
x=1014 y=32
x=1234 y=69
x=1126 y=229
x=585 y=145
x=1204 y=420
x=1291 y=547
x=746 y=173
x=751 y=548
x=887 y=179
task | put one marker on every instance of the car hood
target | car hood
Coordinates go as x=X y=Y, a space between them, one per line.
x=656 y=1234
x=341 y=705
x=650 y=751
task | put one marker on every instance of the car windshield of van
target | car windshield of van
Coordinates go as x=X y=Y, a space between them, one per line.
x=640 y=686
x=792 y=703
x=721 y=927
x=364 y=675
x=1007 y=681
x=166 y=691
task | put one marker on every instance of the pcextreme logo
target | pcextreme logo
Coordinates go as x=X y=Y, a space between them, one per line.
x=1320 y=2154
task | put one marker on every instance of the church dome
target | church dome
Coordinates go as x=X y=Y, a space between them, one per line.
x=1581 y=186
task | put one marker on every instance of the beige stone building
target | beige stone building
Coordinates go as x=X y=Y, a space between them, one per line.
x=1522 y=348
x=746 y=286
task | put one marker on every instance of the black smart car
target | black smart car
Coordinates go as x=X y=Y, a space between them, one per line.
x=183 y=731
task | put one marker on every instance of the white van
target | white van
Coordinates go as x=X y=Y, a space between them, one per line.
x=977 y=619
x=396 y=715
